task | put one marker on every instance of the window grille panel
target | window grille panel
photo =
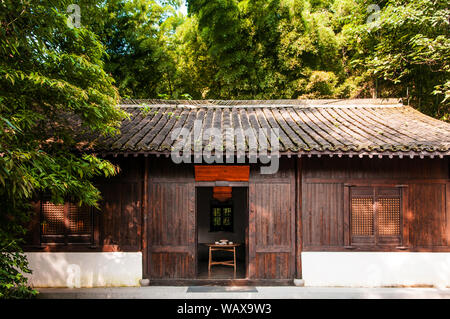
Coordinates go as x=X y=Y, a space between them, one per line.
x=375 y=215
x=79 y=220
x=362 y=216
x=388 y=216
x=53 y=219
x=63 y=224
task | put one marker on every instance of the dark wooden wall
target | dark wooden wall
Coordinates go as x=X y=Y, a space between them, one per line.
x=301 y=208
x=427 y=216
x=425 y=194
x=117 y=222
x=119 y=218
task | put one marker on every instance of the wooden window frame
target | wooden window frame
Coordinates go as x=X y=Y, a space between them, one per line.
x=213 y=228
x=66 y=237
x=376 y=240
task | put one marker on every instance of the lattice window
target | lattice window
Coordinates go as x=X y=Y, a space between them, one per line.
x=79 y=220
x=375 y=215
x=388 y=216
x=65 y=223
x=53 y=219
x=362 y=216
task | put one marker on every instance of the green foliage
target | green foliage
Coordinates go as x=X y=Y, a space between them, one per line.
x=321 y=84
x=54 y=95
x=222 y=25
x=195 y=68
x=407 y=50
x=57 y=82
x=271 y=49
x=139 y=48
x=13 y=265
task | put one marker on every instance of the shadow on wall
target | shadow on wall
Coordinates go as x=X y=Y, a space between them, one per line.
x=74 y=270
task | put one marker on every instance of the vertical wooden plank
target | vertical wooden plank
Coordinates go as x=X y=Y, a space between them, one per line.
x=35 y=225
x=298 y=223
x=121 y=225
x=196 y=232
x=66 y=222
x=293 y=222
x=192 y=232
x=443 y=219
x=375 y=210
x=447 y=215
x=117 y=216
x=252 y=232
x=347 y=215
x=305 y=209
x=96 y=226
x=406 y=216
x=340 y=212
x=314 y=227
x=144 y=219
x=247 y=208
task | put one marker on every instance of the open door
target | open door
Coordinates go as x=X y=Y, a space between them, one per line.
x=171 y=230
x=272 y=225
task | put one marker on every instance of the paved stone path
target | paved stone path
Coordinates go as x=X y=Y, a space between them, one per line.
x=160 y=292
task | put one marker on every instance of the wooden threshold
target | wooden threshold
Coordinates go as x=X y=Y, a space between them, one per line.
x=221 y=282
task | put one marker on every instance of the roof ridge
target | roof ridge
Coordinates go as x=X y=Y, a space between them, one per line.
x=185 y=106
x=263 y=103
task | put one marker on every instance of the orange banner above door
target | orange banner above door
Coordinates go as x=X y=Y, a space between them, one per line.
x=231 y=173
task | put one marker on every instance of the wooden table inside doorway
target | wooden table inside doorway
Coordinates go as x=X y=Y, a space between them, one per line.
x=217 y=247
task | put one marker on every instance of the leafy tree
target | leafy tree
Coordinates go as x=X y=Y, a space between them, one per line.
x=268 y=49
x=407 y=49
x=166 y=56
x=220 y=26
x=136 y=34
x=195 y=68
x=308 y=48
x=54 y=95
x=354 y=48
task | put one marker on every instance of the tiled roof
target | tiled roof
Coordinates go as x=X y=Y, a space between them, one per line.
x=305 y=126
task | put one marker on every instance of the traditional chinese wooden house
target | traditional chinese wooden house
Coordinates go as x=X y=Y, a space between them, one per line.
x=361 y=198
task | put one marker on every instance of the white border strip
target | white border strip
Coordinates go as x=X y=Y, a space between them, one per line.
x=376 y=269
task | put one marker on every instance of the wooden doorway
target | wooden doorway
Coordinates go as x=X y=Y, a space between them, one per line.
x=173 y=223
x=208 y=232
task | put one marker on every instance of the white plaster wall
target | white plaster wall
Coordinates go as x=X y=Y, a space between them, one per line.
x=103 y=269
x=376 y=269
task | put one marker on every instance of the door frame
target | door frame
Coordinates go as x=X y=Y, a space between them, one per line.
x=247 y=212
